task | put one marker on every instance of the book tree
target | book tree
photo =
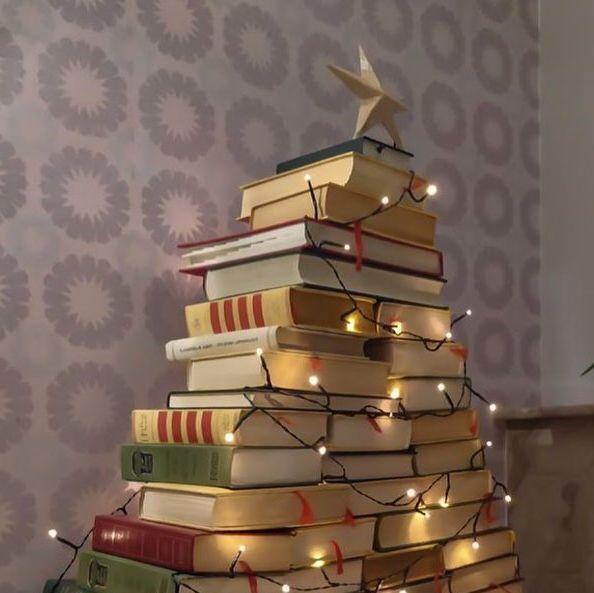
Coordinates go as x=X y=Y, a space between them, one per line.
x=326 y=440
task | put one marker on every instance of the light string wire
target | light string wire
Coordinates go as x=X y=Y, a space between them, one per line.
x=430 y=344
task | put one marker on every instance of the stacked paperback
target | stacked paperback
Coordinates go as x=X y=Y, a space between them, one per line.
x=325 y=441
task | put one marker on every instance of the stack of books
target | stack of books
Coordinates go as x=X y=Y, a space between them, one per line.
x=325 y=441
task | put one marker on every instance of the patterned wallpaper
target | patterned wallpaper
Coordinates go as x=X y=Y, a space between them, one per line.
x=127 y=125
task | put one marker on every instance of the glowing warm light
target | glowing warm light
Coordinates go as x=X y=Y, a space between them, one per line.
x=448 y=336
x=313 y=380
x=242 y=548
x=508 y=498
x=285 y=588
x=347 y=247
x=402 y=591
x=440 y=387
x=259 y=351
x=493 y=407
x=229 y=437
x=443 y=503
x=53 y=533
x=395 y=393
x=411 y=493
x=322 y=450
x=469 y=312
x=397 y=327
x=318 y=563
x=489 y=443
x=307 y=177
x=431 y=189
x=385 y=200
x=475 y=545
x=426 y=514
x=350 y=325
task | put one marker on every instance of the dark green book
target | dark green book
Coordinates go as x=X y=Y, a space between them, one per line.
x=65 y=586
x=220 y=465
x=364 y=145
x=112 y=574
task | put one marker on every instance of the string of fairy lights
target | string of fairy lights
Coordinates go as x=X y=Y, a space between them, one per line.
x=407 y=499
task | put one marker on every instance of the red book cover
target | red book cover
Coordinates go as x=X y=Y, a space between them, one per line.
x=153 y=543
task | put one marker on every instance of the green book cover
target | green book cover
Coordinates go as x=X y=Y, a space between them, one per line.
x=65 y=586
x=205 y=465
x=111 y=574
x=362 y=144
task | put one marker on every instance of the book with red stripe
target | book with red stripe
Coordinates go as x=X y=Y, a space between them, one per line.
x=261 y=428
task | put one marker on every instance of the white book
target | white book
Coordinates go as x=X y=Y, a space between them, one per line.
x=303 y=268
x=362 y=433
x=482 y=575
x=420 y=394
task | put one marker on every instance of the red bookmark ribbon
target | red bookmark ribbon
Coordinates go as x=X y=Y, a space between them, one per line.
x=338 y=557
x=358 y=236
x=488 y=510
x=307 y=516
x=374 y=424
x=348 y=518
x=252 y=579
x=460 y=351
x=316 y=363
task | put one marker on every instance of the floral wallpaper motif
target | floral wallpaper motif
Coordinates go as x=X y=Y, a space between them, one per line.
x=126 y=126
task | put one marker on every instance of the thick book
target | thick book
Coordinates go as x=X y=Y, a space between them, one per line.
x=190 y=550
x=466 y=486
x=394 y=569
x=287 y=399
x=421 y=460
x=392 y=155
x=431 y=585
x=344 y=206
x=217 y=465
x=65 y=586
x=303 y=267
x=515 y=586
x=433 y=525
x=409 y=357
x=245 y=341
x=422 y=394
x=290 y=370
x=429 y=322
x=468 y=550
x=484 y=575
x=367 y=433
x=330 y=237
x=260 y=428
x=222 y=509
x=286 y=306
x=110 y=574
x=351 y=170
x=462 y=424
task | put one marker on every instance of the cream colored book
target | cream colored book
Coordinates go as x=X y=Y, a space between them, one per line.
x=409 y=357
x=261 y=428
x=363 y=433
x=351 y=170
x=483 y=575
x=515 y=586
x=463 y=487
x=286 y=306
x=462 y=424
x=221 y=509
x=468 y=550
x=451 y=456
x=391 y=569
x=402 y=529
x=290 y=370
x=428 y=322
x=420 y=394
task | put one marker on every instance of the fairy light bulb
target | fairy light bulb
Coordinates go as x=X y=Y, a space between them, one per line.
x=397 y=327
x=431 y=189
x=426 y=515
x=402 y=591
x=448 y=335
x=53 y=533
x=285 y=588
x=440 y=387
x=469 y=312
x=322 y=450
x=350 y=325
x=242 y=548
x=475 y=545
x=443 y=503
x=313 y=380
x=508 y=498
x=347 y=247
x=318 y=563
x=493 y=407
x=489 y=443
x=385 y=200
x=411 y=493
x=259 y=351
x=229 y=437
x=395 y=393
x=307 y=177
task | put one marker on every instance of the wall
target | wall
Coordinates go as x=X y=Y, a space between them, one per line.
x=126 y=126
x=568 y=208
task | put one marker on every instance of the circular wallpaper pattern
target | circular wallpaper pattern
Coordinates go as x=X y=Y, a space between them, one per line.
x=493 y=133
x=14 y=294
x=492 y=61
x=443 y=115
x=11 y=67
x=493 y=277
x=442 y=38
x=13 y=181
x=16 y=406
x=493 y=206
x=390 y=23
x=90 y=14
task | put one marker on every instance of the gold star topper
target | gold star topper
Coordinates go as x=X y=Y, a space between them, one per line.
x=376 y=106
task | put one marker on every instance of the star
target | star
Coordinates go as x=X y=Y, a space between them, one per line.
x=376 y=106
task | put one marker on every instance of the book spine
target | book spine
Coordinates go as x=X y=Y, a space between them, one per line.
x=180 y=464
x=144 y=541
x=237 y=342
x=206 y=427
x=248 y=311
x=101 y=572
